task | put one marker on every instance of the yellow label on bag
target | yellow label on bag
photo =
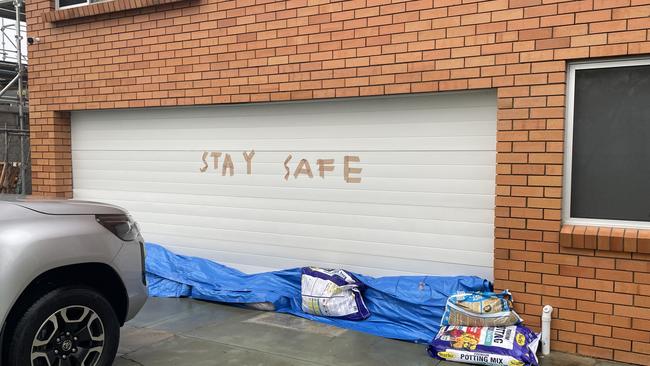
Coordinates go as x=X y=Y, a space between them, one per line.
x=446 y=355
x=521 y=339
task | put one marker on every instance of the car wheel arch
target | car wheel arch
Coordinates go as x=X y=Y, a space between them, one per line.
x=99 y=276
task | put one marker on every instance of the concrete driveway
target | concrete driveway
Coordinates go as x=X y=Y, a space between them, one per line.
x=179 y=332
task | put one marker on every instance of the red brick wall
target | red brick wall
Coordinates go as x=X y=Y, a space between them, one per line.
x=214 y=51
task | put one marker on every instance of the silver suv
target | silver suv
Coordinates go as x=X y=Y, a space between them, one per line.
x=71 y=273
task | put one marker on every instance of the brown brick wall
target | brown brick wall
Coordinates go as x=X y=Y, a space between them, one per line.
x=214 y=51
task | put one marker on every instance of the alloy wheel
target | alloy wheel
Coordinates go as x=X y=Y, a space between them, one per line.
x=72 y=336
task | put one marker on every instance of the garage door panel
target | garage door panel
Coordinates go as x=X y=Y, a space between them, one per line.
x=303 y=222
x=274 y=182
x=347 y=226
x=353 y=127
x=349 y=252
x=429 y=157
x=432 y=243
x=352 y=130
x=275 y=169
x=338 y=112
x=371 y=265
x=242 y=207
x=325 y=145
x=428 y=200
x=425 y=203
x=333 y=195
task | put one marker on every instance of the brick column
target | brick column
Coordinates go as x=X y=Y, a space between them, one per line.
x=530 y=139
x=51 y=154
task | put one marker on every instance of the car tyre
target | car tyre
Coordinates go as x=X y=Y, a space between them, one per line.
x=74 y=325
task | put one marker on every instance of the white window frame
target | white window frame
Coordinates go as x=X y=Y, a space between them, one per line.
x=568 y=144
x=72 y=6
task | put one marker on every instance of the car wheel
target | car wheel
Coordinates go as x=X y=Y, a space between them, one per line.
x=73 y=326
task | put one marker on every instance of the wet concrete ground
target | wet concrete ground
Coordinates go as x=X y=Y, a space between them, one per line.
x=180 y=332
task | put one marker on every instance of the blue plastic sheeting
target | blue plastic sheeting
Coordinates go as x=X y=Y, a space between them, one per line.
x=402 y=307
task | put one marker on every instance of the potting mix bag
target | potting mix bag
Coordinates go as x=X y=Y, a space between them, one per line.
x=491 y=346
x=332 y=293
x=480 y=309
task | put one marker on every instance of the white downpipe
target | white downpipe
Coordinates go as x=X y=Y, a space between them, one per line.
x=546 y=329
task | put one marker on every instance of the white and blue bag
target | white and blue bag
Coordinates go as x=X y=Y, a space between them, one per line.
x=332 y=293
x=480 y=309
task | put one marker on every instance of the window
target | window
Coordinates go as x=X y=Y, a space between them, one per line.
x=70 y=3
x=73 y=3
x=607 y=154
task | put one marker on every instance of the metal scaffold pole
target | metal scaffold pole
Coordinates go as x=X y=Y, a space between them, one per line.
x=21 y=116
x=14 y=99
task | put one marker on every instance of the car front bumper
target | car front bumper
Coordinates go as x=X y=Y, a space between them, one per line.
x=129 y=263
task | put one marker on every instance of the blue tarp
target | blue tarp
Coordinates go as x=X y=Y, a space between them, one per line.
x=401 y=307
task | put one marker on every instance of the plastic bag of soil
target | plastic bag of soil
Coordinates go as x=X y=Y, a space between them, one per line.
x=480 y=309
x=491 y=346
x=332 y=293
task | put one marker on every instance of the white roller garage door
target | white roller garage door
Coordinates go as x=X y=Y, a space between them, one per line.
x=424 y=203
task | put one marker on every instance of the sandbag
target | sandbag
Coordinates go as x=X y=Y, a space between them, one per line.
x=490 y=346
x=332 y=293
x=480 y=309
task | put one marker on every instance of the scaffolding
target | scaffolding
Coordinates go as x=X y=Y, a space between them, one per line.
x=14 y=125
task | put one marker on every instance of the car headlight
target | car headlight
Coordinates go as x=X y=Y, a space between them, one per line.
x=122 y=226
